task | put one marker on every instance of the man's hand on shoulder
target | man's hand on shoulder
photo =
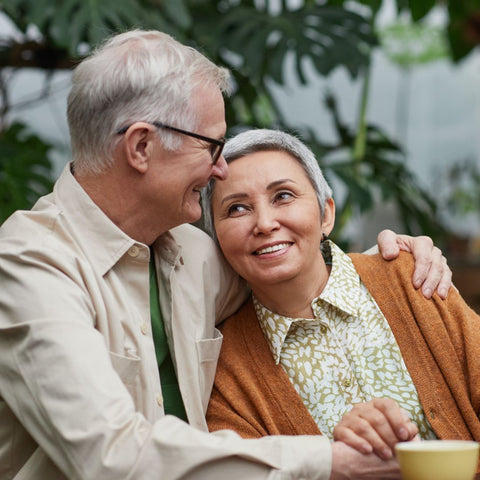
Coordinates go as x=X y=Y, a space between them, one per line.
x=431 y=269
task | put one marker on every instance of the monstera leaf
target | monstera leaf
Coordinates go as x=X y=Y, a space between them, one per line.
x=322 y=35
x=25 y=170
x=381 y=175
x=71 y=23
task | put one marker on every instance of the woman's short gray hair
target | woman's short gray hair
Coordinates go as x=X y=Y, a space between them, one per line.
x=135 y=76
x=252 y=141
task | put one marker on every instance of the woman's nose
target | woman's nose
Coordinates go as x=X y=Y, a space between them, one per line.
x=266 y=221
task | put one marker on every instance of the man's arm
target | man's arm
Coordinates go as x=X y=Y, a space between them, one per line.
x=349 y=464
x=431 y=269
x=58 y=379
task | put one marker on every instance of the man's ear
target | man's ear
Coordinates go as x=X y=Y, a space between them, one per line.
x=328 y=220
x=139 y=145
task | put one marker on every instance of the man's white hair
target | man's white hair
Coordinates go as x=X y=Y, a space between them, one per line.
x=135 y=76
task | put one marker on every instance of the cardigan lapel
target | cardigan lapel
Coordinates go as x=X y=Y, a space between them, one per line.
x=290 y=415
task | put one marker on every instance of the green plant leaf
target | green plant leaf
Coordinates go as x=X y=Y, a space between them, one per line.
x=420 y=8
x=25 y=170
x=327 y=36
x=408 y=44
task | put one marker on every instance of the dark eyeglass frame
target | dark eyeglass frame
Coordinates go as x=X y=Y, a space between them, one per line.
x=218 y=143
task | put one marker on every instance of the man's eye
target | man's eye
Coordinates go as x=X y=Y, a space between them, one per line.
x=212 y=148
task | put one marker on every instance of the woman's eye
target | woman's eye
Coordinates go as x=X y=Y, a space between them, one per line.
x=283 y=196
x=235 y=210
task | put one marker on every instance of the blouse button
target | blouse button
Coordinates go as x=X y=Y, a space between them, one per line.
x=159 y=400
x=144 y=328
x=347 y=383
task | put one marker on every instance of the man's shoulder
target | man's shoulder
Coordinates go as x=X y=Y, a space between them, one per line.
x=404 y=260
x=375 y=271
x=30 y=227
x=194 y=241
x=187 y=231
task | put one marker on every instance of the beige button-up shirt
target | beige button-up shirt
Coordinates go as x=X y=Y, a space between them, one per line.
x=80 y=393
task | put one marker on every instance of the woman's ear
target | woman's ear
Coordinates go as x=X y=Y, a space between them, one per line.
x=328 y=220
x=139 y=145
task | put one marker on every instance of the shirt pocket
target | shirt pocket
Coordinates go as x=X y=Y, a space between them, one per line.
x=128 y=369
x=208 y=351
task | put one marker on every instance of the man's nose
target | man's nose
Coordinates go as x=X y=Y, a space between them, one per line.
x=220 y=169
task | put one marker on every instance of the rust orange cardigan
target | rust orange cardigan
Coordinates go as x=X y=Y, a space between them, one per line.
x=439 y=341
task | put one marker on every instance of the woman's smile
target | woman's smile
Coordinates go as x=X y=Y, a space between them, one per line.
x=268 y=221
x=272 y=248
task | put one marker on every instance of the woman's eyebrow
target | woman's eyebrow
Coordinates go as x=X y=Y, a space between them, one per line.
x=276 y=183
x=270 y=186
x=233 y=196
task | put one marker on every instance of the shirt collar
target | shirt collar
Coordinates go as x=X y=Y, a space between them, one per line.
x=103 y=242
x=343 y=286
x=342 y=291
x=275 y=328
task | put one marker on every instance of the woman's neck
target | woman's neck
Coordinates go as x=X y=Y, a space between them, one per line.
x=293 y=298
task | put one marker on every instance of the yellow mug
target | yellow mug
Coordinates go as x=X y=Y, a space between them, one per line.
x=438 y=459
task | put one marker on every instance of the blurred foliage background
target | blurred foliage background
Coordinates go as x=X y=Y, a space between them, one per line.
x=253 y=39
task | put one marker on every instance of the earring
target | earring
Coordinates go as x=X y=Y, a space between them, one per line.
x=324 y=237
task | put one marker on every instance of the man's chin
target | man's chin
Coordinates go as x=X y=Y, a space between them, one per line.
x=193 y=215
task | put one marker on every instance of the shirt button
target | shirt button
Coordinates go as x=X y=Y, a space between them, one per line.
x=159 y=400
x=347 y=383
x=133 y=251
x=144 y=328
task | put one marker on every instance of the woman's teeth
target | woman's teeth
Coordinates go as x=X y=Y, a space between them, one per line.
x=273 y=248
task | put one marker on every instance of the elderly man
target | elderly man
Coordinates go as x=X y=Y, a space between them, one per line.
x=109 y=298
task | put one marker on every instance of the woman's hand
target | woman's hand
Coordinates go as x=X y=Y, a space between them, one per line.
x=348 y=464
x=375 y=426
x=431 y=269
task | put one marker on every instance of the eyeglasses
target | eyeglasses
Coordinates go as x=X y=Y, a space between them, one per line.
x=216 y=145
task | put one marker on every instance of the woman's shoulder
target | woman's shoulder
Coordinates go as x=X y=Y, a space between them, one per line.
x=404 y=263
x=238 y=321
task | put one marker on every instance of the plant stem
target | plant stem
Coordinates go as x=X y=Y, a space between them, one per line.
x=359 y=146
x=360 y=143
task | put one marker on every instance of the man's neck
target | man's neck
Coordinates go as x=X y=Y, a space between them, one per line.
x=117 y=196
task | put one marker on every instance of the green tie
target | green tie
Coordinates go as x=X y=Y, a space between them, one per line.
x=172 y=399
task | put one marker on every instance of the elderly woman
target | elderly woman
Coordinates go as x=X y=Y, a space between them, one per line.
x=325 y=331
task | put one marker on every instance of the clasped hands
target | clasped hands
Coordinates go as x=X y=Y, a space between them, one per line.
x=375 y=427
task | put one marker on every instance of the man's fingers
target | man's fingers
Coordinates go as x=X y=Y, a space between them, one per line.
x=345 y=435
x=439 y=277
x=380 y=423
x=387 y=244
x=431 y=269
x=370 y=424
x=364 y=438
x=397 y=418
x=428 y=264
